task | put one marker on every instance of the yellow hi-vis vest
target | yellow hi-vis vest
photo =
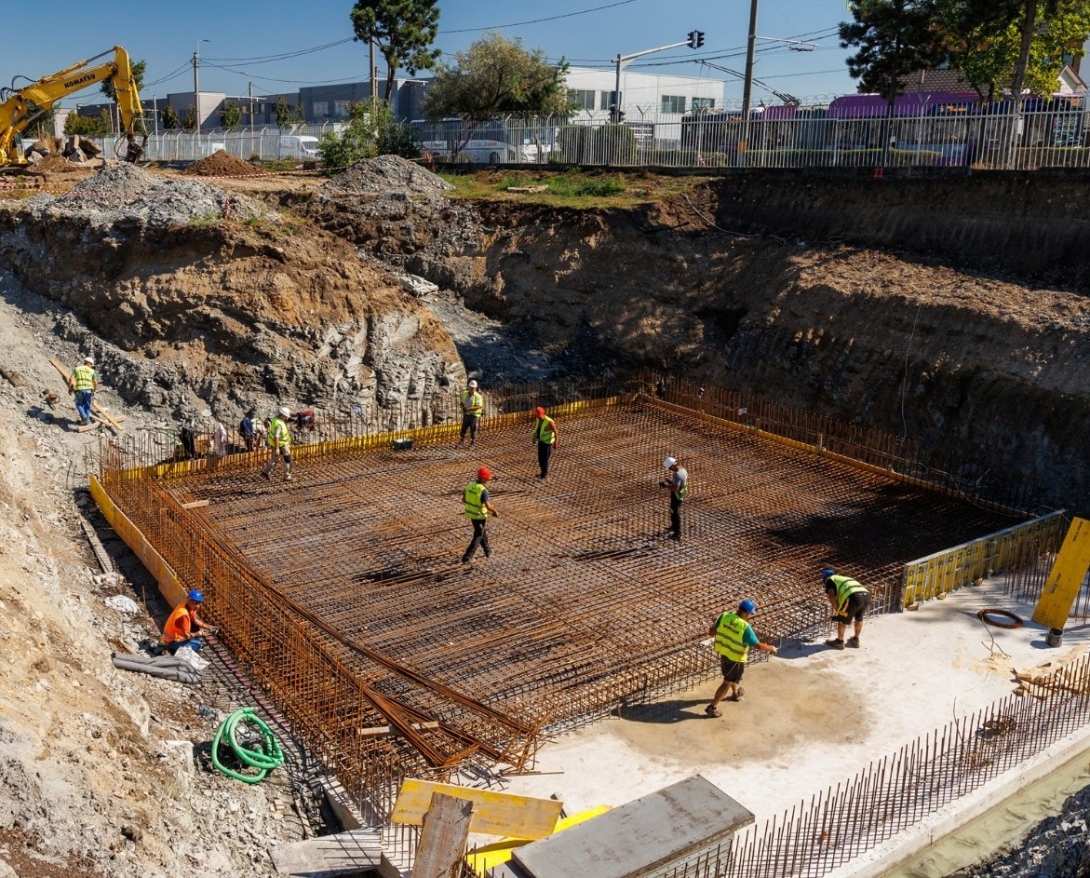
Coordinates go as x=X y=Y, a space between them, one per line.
x=845 y=588
x=83 y=378
x=278 y=429
x=728 y=637
x=472 y=403
x=475 y=508
x=545 y=432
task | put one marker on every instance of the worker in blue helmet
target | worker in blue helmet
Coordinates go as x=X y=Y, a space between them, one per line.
x=733 y=638
x=849 y=601
x=184 y=625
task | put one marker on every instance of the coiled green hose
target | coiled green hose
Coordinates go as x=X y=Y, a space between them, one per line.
x=264 y=760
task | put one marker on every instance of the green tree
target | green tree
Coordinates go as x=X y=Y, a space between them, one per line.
x=892 y=38
x=138 y=68
x=286 y=114
x=85 y=126
x=231 y=115
x=42 y=121
x=403 y=30
x=168 y=118
x=494 y=77
x=373 y=130
x=189 y=119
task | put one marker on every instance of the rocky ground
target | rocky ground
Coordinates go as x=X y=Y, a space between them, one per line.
x=379 y=286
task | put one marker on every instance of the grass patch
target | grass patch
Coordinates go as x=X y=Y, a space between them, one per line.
x=578 y=186
x=570 y=188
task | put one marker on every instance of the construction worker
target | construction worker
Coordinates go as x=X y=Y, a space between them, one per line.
x=184 y=625
x=472 y=408
x=849 y=601
x=733 y=637
x=478 y=506
x=547 y=440
x=83 y=382
x=678 y=483
x=246 y=430
x=279 y=440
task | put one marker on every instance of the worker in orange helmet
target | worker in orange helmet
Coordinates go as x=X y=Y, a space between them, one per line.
x=547 y=439
x=478 y=506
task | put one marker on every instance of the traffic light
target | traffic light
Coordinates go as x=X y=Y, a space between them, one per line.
x=696 y=39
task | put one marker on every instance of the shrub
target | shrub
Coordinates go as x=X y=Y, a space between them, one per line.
x=615 y=145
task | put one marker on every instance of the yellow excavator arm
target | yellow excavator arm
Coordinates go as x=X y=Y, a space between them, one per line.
x=43 y=94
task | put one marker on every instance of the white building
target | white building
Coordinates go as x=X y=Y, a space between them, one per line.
x=645 y=97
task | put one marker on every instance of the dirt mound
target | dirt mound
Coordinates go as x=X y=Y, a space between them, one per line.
x=221 y=164
x=53 y=164
x=123 y=192
x=386 y=173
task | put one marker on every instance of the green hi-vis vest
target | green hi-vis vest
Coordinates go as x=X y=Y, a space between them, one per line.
x=545 y=432
x=475 y=507
x=83 y=377
x=683 y=491
x=728 y=637
x=845 y=588
x=278 y=430
x=472 y=403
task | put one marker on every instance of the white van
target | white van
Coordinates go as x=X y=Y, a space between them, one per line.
x=492 y=152
x=298 y=146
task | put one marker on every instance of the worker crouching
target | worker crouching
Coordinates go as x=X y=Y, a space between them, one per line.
x=478 y=507
x=184 y=625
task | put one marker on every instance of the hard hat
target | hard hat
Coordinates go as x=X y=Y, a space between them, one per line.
x=540 y=412
x=285 y=411
x=826 y=573
x=747 y=606
x=89 y=361
x=669 y=462
x=196 y=596
x=484 y=474
x=472 y=383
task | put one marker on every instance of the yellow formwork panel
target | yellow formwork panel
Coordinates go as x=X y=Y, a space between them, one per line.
x=1065 y=578
x=493 y=813
x=492 y=855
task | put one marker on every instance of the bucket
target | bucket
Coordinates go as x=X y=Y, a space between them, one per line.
x=1055 y=636
x=403 y=444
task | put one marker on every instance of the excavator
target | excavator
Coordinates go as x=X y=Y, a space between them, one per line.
x=16 y=109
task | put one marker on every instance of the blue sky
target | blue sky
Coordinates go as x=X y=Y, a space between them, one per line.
x=245 y=34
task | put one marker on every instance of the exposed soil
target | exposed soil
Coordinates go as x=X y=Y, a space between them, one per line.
x=221 y=164
x=379 y=286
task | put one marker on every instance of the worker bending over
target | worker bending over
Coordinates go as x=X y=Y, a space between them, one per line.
x=472 y=408
x=849 y=601
x=547 y=440
x=478 y=507
x=279 y=440
x=733 y=637
x=184 y=625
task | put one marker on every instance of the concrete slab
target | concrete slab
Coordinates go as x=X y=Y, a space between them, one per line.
x=356 y=852
x=811 y=717
x=634 y=839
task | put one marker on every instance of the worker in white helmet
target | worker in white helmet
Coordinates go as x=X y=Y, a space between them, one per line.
x=278 y=440
x=472 y=408
x=84 y=383
x=678 y=483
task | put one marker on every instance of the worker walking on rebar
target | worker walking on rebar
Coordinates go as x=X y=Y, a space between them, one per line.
x=733 y=638
x=547 y=439
x=849 y=601
x=278 y=439
x=678 y=483
x=472 y=409
x=478 y=507
x=184 y=626
x=84 y=383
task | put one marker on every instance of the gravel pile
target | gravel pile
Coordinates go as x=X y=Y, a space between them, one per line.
x=121 y=192
x=387 y=173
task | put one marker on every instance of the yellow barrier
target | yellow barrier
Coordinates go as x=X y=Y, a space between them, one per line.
x=1066 y=577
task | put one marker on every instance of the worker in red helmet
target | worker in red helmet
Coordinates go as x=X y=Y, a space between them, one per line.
x=478 y=506
x=547 y=440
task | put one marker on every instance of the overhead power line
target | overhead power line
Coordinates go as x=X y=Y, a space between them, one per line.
x=473 y=30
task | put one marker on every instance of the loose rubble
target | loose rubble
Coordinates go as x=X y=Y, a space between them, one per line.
x=386 y=174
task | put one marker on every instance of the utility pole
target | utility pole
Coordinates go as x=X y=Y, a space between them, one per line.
x=155 y=113
x=695 y=41
x=371 y=77
x=197 y=85
x=251 y=111
x=751 y=57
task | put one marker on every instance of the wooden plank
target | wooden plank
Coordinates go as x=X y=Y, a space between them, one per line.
x=376 y=731
x=102 y=413
x=346 y=854
x=482 y=859
x=195 y=504
x=493 y=813
x=87 y=428
x=1065 y=578
x=96 y=546
x=443 y=838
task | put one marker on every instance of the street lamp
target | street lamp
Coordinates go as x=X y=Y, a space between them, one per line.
x=197 y=85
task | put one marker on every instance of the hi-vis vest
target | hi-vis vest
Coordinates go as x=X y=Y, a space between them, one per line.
x=545 y=432
x=472 y=402
x=683 y=491
x=845 y=588
x=278 y=430
x=728 y=637
x=475 y=507
x=178 y=626
x=83 y=378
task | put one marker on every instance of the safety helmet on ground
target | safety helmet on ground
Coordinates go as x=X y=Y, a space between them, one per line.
x=747 y=606
x=484 y=474
x=669 y=462
x=285 y=411
x=473 y=384
x=826 y=573
x=540 y=412
x=195 y=596
x=90 y=361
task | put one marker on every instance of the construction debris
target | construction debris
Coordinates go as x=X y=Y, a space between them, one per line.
x=387 y=173
x=1052 y=677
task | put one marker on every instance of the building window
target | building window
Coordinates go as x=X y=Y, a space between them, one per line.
x=607 y=99
x=673 y=103
x=342 y=109
x=703 y=104
x=321 y=109
x=581 y=99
